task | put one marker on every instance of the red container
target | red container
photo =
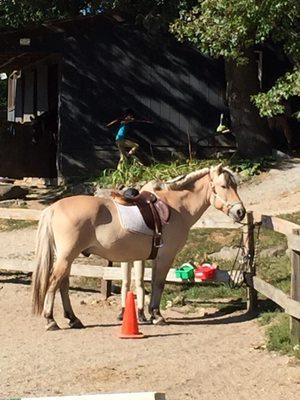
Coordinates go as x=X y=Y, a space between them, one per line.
x=205 y=271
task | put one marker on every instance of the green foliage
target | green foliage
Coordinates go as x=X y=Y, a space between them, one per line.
x=267 y=317
x=249 y=168
x=14 y=14
x=271 y=102
x=278 y=334
x=156 y=12
x=131 y=172
x=230 y=29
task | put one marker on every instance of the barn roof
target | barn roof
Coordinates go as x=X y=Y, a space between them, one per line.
x=14 y=55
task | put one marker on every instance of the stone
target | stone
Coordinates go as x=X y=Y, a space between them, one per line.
x=273 y=251
x=226 y=253
x=8 y=192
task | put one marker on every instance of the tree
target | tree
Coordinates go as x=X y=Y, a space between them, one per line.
x=232 y=29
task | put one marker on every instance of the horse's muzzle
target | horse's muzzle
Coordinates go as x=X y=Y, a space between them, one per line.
x=237 y=212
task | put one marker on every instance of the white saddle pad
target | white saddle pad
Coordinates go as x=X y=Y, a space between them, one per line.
x=131 y=219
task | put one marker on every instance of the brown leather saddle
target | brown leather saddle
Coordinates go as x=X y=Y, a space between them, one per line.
x=154 y=212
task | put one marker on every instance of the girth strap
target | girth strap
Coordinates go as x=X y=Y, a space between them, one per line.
x=152 y=220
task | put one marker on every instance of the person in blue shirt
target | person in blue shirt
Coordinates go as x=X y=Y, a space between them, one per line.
x=122 y=141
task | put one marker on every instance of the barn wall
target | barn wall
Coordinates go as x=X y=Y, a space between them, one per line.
x=108 y=67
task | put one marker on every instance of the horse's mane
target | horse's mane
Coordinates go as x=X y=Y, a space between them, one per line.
x=182 y=181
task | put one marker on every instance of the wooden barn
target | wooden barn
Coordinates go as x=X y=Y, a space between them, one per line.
x=67 y=79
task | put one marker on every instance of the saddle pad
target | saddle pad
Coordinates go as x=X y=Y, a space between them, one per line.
x=131 y=219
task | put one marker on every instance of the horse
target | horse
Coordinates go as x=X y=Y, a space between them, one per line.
x=89 y=224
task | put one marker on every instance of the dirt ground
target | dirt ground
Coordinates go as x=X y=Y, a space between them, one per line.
x=205 y=355
x=197 y=356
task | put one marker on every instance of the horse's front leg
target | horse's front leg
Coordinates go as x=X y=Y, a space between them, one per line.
x=160 y=271
x=139 y=269
x=126 y=281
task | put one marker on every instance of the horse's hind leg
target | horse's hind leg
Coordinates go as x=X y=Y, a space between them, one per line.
x=68 y=311
x=60 y=269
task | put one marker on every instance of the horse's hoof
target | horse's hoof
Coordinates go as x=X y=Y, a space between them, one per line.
x=121 y=315
x=159 y=321
x=76 y=324
x=141 y=316
x=52 y=326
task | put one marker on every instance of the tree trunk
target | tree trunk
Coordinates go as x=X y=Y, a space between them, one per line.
x=252 y=135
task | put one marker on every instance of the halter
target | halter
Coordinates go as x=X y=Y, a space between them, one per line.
x=225 y=203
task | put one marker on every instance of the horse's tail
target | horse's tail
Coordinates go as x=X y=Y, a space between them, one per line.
x=44 y=260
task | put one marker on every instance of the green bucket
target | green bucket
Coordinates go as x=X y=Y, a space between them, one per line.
x=185 y=272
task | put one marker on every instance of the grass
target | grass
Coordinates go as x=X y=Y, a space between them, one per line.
x=278 y=333
x=14 y=224
x=295 y=217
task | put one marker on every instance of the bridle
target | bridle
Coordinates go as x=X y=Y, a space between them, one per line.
x=214 y=196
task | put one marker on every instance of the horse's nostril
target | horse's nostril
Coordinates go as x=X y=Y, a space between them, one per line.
x=241 y=213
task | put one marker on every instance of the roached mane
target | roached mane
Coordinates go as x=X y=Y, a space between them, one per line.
x=181 y=181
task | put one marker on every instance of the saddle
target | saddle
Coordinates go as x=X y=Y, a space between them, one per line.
x=154 y=212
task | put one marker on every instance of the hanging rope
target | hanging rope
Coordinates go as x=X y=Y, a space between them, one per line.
x=243 y=261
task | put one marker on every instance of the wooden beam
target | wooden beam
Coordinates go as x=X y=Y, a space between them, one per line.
x=114 y=274
x=294 y=242
x=104 y=396
x=20 y=213
x=214 y=222
x=106 y=273
x=295 y=284
x=291 y=307
x=13 y=59
x=86 y=270
x=275 y=223
x=248 y=239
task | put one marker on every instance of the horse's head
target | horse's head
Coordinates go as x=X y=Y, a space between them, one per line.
x=224 y=195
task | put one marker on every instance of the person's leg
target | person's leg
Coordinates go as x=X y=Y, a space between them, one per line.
x=122 y=149
x=133 y=147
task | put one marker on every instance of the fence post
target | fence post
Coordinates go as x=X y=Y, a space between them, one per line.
x=295 y=289
x=248 y=235
x=106 y=286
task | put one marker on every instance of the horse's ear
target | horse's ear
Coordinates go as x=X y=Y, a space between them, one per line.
x=219 y=169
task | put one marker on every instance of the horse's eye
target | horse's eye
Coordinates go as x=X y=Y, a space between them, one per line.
x=223 y=187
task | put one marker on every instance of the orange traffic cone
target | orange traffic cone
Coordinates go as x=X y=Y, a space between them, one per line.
x=130 y=328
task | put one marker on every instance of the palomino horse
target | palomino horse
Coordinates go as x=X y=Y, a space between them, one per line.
x=91 y=224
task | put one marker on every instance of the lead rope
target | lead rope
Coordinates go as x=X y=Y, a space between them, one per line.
x=241 y=264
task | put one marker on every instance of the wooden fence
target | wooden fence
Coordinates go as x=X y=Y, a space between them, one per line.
x=290 y=304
